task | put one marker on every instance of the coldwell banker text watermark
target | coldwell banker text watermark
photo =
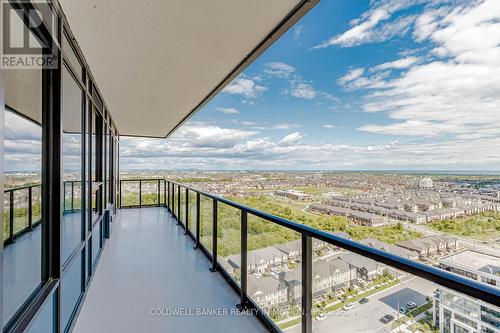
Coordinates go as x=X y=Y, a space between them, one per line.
x=26 y=35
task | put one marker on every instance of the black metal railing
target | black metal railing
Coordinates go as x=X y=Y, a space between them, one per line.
x=138 y=193
x=202 y=227
x=22 y=211
x=22 y=208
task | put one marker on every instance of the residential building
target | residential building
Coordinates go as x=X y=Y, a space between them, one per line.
x=455 y=312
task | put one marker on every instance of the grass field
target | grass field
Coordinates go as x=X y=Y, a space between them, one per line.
x=484 y=226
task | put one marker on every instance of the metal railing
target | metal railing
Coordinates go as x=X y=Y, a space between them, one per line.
x=150 y=192
x=179 y=198
x=22 y=208
x=22 y=211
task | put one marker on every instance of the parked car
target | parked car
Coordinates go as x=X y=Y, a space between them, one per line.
x=321 y=317
x=347 y=307
x=275 y=269
x=387 y=318
x=411 y=305
x=403 y=310
x=364 y=300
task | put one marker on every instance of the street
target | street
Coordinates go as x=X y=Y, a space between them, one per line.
x=366 y=317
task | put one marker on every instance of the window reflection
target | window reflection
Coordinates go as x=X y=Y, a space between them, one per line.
x=71 y=222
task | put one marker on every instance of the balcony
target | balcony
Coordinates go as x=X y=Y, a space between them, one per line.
x=169 y=245
x=86 y=251
x=151 y=267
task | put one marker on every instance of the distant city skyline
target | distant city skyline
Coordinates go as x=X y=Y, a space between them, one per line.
x=365 y=85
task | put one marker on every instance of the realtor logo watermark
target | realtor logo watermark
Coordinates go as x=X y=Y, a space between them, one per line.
x=21 y=47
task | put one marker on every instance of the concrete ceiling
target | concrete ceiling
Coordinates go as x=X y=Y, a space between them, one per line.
x=155 y=61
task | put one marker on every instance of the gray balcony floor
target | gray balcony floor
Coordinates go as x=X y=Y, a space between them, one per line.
x=150 y=264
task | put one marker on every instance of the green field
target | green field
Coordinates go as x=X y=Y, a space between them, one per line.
x=484 y=226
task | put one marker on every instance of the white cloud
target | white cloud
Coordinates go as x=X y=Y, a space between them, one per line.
x=278 y=69
x=369 y=28
x=397 y=64
x=228 y=110
x=297 y=32
x=204 y=135
x=456 y=94
x=291 y=139
x=245 y=87
x=303 y=90
x=328 y=126
x=351 y=75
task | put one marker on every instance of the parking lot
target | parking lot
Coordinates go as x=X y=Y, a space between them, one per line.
x=366 y=317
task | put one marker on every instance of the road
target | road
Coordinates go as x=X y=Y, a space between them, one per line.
x=366 y=317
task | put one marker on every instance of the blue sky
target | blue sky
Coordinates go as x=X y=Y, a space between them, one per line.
x=405 y=85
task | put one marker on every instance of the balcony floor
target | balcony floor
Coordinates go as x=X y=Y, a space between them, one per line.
x=150 y=264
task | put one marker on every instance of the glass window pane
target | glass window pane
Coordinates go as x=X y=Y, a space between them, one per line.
x=71 y=57
x=96 y=241
x=22 y=167
x=44 y=322
x=71 y=222
x=71 y=289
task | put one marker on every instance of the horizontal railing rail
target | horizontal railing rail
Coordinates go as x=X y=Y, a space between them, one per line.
x=23 y=214
x=19 y=216
x=176 y=198
x=145 y=198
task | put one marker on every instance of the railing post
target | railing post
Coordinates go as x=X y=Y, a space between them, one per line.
x=178 y=204
x=244 y=264
x=164 y=193
x=11 y=216
x=306 y=284
x=64 y=196
x=158 y=188
x=197 y=220
x=72 y=196
x=214 y=237
x=140 y=193
x=187 y=213
x=30 y=208
x=167 y=196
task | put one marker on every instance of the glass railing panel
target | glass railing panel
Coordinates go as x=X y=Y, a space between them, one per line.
x=149 y=193
x=274 y=280
x=36 y=204
x=229 y=239
x=77 y=195
x=6 y=215
x=346 y=287
x=182 y=213
x=192 y=212
x=175 y=199
x=21 y=206
x=206 y=222
x=130 y=193
x=162 y=192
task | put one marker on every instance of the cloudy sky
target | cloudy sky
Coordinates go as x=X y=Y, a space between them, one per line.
x=405 y=85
